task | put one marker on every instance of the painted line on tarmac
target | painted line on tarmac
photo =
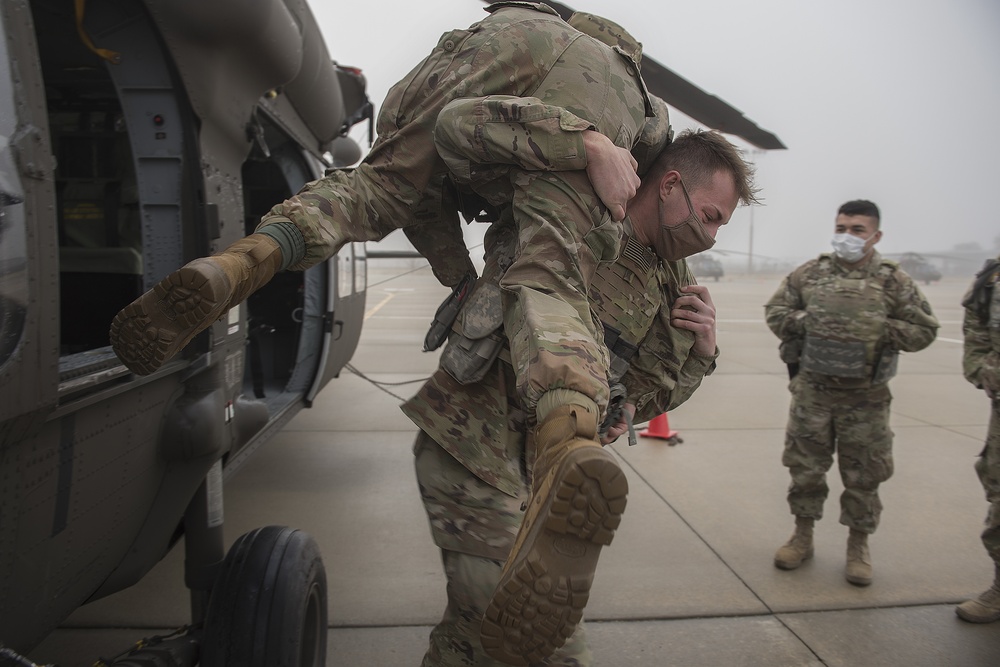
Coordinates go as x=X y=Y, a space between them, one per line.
x=378 y=307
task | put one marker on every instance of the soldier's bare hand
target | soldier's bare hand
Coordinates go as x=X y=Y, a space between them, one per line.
x=611 y=171
x=621 y=428
x=695 y=312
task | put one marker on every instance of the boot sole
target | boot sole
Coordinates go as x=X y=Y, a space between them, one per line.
x=793 y=564
x=966 y=616
x=152 y=329
x=858 y=581
x=541 y=595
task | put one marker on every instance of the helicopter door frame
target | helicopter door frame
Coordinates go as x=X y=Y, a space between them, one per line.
x=345 y=313
x=29 y=377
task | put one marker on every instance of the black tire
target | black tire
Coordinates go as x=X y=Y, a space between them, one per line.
x=268 y=606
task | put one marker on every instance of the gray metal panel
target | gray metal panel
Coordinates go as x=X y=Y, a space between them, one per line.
x=152 y=113
x=315 y=91
x=229 y=53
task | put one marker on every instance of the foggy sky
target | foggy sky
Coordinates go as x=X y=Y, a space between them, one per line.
x=894 y=101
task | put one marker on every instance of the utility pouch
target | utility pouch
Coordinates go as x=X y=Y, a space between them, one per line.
x=844 y=359
x=790 y=350
x=477 y=337
x=885 y=366
x=446 y=314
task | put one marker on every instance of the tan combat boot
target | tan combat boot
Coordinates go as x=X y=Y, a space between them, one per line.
x=578 y=496
x=798 y=548
x=149 y=331
x=986 y=607
x=859 y=561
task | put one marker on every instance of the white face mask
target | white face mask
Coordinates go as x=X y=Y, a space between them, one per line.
x=848 y=247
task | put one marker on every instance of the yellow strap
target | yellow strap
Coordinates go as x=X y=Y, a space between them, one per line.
x=112 y=57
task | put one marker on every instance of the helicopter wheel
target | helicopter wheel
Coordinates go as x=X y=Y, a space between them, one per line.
x=268 y=606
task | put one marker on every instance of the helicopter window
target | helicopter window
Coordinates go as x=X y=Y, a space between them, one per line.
x=13 y=249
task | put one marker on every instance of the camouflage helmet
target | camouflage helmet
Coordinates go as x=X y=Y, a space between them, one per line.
x=655 y=135
x=608 y=32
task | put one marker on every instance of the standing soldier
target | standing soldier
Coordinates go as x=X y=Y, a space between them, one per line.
x=981 y=364
x=843 y=319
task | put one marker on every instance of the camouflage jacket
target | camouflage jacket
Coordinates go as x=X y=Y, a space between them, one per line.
x=981 y=329
x=485 y=424
x=559 y=229
x=846 y=326
x=521 y=50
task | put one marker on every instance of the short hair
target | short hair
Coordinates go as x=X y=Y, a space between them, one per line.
x=698 y=154
x=861 y=207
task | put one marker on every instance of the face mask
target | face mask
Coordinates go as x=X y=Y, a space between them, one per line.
x=848 y=247
x=685 y=239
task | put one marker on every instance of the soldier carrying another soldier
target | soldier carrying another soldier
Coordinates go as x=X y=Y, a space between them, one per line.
x=558 y=112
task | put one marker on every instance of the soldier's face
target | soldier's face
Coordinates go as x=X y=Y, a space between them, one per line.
x=863 y=226
x=686 y=221
x=714 y=201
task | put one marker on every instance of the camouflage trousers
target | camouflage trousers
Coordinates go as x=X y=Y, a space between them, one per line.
x=474 y=524
x=854 y=424
x=988 y=469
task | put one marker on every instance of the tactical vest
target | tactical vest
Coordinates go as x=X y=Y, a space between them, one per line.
x=626 y=297
x=847 y=333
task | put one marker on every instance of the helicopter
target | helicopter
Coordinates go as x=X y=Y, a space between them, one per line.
x=134 y=137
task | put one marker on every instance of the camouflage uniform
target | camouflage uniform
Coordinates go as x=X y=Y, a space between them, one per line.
x=475 y=450
x=981 y=364
x=843 y=330
x=546 y=83
x=556 y=83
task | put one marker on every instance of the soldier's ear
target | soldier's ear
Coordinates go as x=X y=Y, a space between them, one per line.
x=668 y=183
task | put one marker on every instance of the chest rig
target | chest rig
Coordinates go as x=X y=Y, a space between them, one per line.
x=626 y=296
x=847 y=332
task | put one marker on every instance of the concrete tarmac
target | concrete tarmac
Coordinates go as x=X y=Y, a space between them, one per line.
x=689 y=579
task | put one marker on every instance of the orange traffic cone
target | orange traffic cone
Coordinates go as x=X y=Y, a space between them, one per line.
x=659 y=427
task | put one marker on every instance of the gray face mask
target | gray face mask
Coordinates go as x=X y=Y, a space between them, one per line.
x=684 y=239
x=848 y=247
